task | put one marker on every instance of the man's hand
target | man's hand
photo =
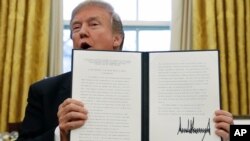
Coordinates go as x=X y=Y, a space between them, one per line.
x=223 y=120
x=71 y=115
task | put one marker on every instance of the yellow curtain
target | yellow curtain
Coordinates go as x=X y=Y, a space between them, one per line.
x=225 y=25
x=24 y=42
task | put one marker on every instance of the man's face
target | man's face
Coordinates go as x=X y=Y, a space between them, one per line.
x=92 y=29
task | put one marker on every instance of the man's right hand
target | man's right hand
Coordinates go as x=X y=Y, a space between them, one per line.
x=71 y=115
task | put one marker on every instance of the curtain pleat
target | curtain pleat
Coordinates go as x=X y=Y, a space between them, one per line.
x=24 y=31
x=231 y=52
x=222 y=43
x=241 y=55
x=224 y=25
x=247 y=17
x=7 y=60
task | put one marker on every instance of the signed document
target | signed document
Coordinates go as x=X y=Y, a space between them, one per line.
x=184 y=94
x=146 y=96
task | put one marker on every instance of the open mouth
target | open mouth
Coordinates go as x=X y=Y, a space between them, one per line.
x=85 y=46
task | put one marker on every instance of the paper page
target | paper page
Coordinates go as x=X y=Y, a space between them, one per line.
x=184 y=94
x=109 y=84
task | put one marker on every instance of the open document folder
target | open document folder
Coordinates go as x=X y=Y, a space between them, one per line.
x=147 y=96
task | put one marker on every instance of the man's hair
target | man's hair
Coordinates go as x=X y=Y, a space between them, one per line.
x=116 y=22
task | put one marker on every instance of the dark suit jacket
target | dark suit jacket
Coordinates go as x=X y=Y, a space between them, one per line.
x=44 y=99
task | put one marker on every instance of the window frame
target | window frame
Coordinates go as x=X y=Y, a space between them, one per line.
x=134 y=25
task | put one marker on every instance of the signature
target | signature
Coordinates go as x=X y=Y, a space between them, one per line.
x=191 y=129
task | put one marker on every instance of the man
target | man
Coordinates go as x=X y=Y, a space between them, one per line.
x=50 y=111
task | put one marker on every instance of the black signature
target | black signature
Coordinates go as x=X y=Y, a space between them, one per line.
x=192 y=130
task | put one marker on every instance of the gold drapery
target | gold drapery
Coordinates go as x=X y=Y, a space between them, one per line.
x=24 y=42
x=225 y=25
